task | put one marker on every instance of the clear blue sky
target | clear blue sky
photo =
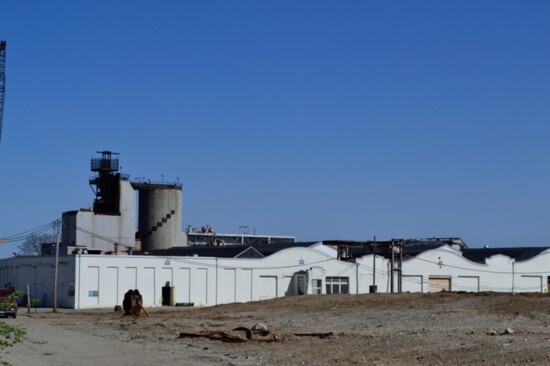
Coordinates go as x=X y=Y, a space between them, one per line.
x=322 y=120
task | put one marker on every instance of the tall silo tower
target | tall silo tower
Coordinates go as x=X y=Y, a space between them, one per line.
x=159 y=218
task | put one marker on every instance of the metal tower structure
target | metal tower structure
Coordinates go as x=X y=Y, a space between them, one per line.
x=2 y=81
x=107 y=201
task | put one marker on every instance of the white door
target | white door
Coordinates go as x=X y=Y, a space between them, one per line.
x=267 y=287
x=147 y=286
x=200 y=293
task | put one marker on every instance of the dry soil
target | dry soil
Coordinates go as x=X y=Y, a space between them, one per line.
x=373 y=329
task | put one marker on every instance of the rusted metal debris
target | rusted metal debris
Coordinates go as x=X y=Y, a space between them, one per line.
x=250 y=336
x=214 y=335
x=248 y=333
x=320 y=335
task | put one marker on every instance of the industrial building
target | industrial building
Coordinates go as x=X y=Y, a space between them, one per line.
x=110 y=225
x=90 y=281
x=102 y=256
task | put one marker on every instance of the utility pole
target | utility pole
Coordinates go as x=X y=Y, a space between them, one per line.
x=391 y=265
x=2 y=81
x=374 y=289
x=56 y=266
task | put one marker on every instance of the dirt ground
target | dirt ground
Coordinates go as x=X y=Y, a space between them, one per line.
x=373 y=329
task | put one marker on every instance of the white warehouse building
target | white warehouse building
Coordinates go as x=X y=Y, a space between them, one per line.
x=92 y=281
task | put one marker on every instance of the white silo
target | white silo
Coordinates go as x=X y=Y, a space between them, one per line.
x=159 y=218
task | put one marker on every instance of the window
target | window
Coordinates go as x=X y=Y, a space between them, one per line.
x=337 y=285
x=316 y=286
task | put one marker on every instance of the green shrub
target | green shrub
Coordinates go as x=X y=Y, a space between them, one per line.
x=11 y=303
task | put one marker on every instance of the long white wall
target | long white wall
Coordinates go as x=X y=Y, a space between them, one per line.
x=498 y=273
x=89 y=281
x=199 y=280
x=38 y=273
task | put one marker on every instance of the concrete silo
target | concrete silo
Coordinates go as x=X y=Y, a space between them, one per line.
x=159 y=218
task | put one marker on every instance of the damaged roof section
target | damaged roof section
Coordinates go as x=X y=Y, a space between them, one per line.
x=228 y=251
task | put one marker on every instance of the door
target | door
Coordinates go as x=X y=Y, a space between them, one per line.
x=244 y=290
x=412 y=283
x=147 y=286
x=228 y=289
x=300 y=284
x=531 y=284
x=200 y=297
x=438 y=284
x=108 y=294
x=267 y=287
x=467 y=283
x=183 y=284
x=91 y=285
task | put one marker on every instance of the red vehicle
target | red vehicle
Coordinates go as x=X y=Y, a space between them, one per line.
x=4 y=293
x=7 y=308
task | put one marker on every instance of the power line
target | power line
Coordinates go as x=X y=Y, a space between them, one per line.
x=28 y=233
x=213 y=265
x=97 y=236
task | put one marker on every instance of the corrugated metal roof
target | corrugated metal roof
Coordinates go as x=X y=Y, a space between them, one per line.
x=478 y=255
x=227 y=251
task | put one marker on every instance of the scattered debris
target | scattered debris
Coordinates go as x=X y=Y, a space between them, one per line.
x=144 y=309
x=493 y=332
x=320 y=335
x=259 y=327
x=248 y=333
x=132 y=303
x=250 y=336
x=214 y=335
